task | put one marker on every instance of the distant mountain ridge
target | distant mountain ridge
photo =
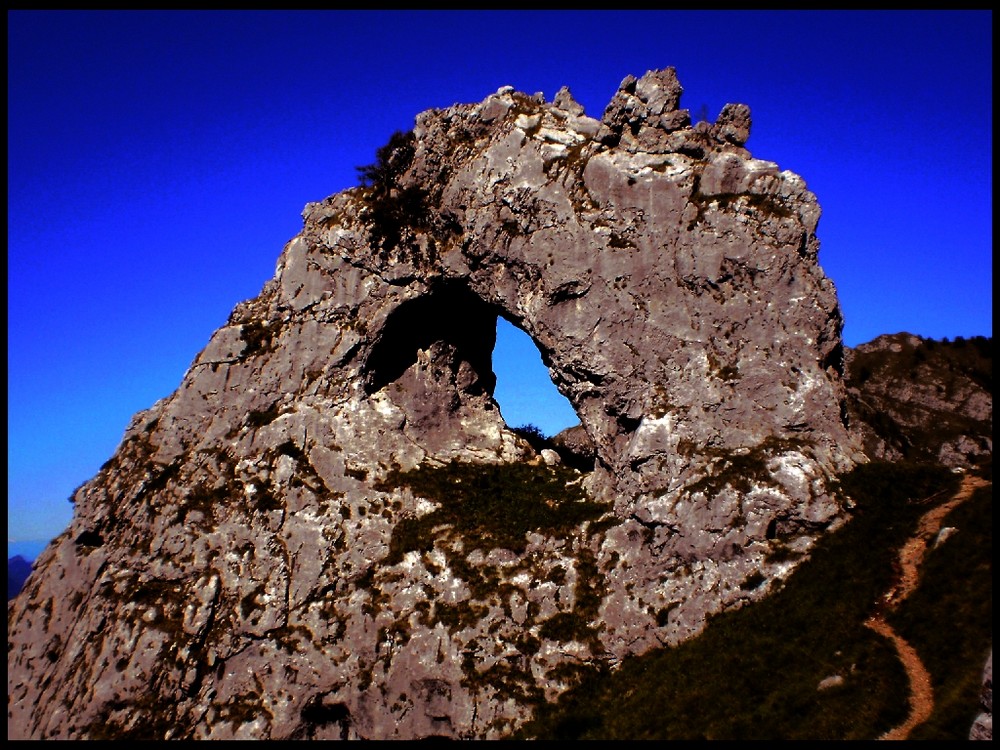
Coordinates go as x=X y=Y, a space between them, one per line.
x=919 y=399
x=18 y=570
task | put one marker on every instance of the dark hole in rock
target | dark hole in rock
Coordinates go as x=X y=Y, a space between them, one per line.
x=89 y=539
x=772 y=529
x=474 y=332
x=316 y=712
x=450 y=314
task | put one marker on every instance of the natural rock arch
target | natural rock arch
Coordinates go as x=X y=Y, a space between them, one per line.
x=442 y=343
x=258 y=525
x=659 y=268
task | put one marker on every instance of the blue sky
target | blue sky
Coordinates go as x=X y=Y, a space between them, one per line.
x=159 y=161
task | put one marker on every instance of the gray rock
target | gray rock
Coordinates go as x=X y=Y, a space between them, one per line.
x=944 y=535
x=733 y=124
x=575 y=448
x=982 y=728
x=834 y=680
x=550 y=457
x=255 y=562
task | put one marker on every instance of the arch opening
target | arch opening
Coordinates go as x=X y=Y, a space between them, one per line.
x=502 y=359
x=451 y=316
x=524 y=389
x=453 y=354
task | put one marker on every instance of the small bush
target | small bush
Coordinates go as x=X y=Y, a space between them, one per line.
x=257 y=339
x=393 y=208
x=391 y=160
x=535 y=437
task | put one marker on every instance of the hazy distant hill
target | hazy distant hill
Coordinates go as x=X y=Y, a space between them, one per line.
x=18 y=570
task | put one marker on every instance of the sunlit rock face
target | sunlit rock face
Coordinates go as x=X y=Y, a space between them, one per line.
x=267 y=554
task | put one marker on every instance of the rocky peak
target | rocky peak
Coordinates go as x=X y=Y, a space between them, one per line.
x=329 y=531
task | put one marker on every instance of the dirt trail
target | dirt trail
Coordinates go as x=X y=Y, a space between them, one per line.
x=910 y=557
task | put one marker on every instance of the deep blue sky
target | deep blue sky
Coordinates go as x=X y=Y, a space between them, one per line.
x=158 y=162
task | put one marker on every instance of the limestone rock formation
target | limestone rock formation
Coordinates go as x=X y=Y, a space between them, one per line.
x=982 y=728
x=323 y=532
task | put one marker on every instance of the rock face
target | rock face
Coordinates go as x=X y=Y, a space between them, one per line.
x=923 y=400
x=298 y=543
x=982 y=728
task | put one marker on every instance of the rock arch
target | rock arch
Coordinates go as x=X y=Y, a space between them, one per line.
x=670 y=281
x=668 y=278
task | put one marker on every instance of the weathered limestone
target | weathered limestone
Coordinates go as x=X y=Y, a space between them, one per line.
x=982 y=727
x=240 y=567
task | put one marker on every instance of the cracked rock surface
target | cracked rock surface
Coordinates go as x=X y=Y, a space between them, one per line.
x=328 y=531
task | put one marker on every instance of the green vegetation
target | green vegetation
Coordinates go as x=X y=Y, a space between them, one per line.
x=495 y=505
x=263 y=417
x=570 y=456
x=575 y=625
x=950 y=360
x=486 y=506
x=392 y=208
x=257 y=339
x=391 y=160
x=141 y=718
x=755 y=673
x=533 y=434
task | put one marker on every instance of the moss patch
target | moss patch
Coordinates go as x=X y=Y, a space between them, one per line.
x=742 y=470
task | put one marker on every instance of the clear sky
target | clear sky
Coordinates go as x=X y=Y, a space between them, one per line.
x=159 y=161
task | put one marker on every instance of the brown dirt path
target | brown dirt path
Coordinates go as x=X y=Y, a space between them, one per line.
x=910 y=557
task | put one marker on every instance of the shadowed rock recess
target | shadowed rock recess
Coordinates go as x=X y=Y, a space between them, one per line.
x=329 y=531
